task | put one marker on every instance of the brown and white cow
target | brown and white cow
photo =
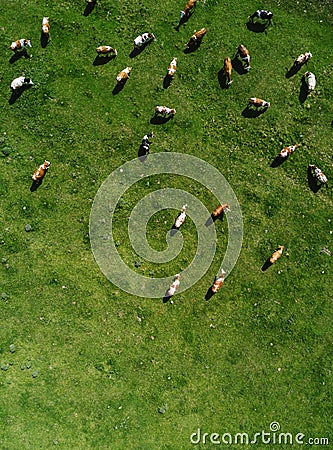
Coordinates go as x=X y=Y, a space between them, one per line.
x=189 y=8
x=106 y=50
x=20 y=44
x=258 y=103
x=196 y=38
x=143 y=39
x=286 y=151
x=40 y=172
x=124 y=75
x=172 y=67
x=174 y=286
x=218 y=282
x=227 y=68
x=302 y=59
x=46 y=26
x=220 y=210
x=165 y=111
x=277 y=254
x=244 y=55
x=318 y=174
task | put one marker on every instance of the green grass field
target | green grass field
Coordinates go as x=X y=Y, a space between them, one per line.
x=85 y=365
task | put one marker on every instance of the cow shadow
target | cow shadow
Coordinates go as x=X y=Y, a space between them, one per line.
x=292 y=71
x=89 y=8
x=137 y=50
x=222 y=78
x=142 y=154
x=101 y=60
x=303 y=92
x=251 y=113
x=238 y=66
x=312 y=182
x=278 y=160
x=167 y=81
x=159 y=120
x=18 y=55
x=174 y=230
x=119 y=87
x=266 y=265
x=209 y=294
x=44 y=39
x=183 y=20
x=35 y=185
x=212 y=219
x=257 y=27
x=190 y=48
x=16 y=94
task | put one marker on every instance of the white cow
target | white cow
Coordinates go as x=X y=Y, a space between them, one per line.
x=318 y=174
x=20 y=82
x=146 y=142
x=143 y=39
x=310 y=80
x=181 y=218
x=20 y=44
x=174 y=286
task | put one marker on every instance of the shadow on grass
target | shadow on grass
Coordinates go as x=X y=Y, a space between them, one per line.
x=183 y=20
x=238 y=66
x=266 y=265
x=278 y=160
x=292 y=71
x=209 y=294
x=212 y=219
x=44 y=40
x=35 y=185
x=18 y=55
x=222 y=78
x=159 y=120
x=89 y=8
x=101 y=60
x=167 y=81
x=313 y=182
x=137 y=50
x=257 y=27
x=119 y=87
x=192 y=47
x=251 y=113
x=142 y=154
x=303 y=92
x=16 y=94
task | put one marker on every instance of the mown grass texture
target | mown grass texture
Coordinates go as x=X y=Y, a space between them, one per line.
x=93 y=367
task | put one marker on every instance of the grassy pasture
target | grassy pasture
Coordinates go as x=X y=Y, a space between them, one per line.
x=85 y=365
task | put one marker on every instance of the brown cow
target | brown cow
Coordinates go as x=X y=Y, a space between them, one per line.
x=218 y=282
x=40 y=172
x=106 y=50
x=196 y=38
x=244 y=55
x=189 y=7
x=286 y=151
x=277 y=254
x=124 y=75
x=227 y=70
x=258 y=103
x=220 y=210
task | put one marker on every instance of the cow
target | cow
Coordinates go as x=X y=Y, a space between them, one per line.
x=124 y=75
x=40 y=172
x=172 y=67
x=318 y=174
x=244 y=55
x=310 y=80
x=165 y=111
x=227 y=68
x=106 y=50
x=286 y=151
x=20 y=83
x=262 y=14
x=258 y=103
x=277 y=254
x=46 y=26
x=20 y=44
x=220 y=210
x=302 y=59
x=181 y=218
x=189 y=8
x=173 y=287
x=218 y=282
x=143 y=39
x=196 y=38
x=146 y=142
